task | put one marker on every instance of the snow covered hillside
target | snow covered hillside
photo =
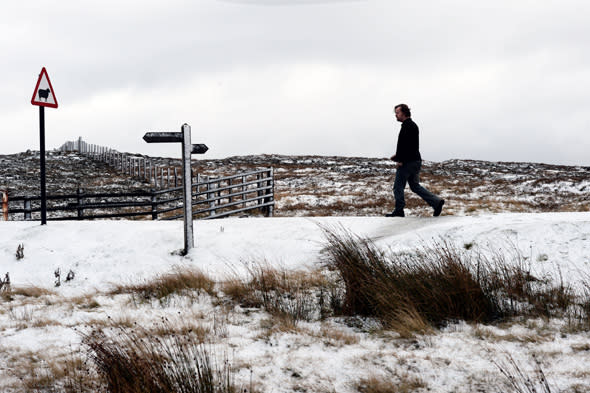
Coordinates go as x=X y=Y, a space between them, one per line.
x=331 y=355
x=336 y=186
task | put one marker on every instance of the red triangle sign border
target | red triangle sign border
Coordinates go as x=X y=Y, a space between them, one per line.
x=41 y=103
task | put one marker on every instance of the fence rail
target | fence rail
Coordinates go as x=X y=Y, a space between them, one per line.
x=213 y=198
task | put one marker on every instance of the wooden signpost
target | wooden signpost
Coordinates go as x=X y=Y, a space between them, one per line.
x=183 y=137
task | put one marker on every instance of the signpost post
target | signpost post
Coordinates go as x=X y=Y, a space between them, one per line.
x=183 y=137
x=43 y=96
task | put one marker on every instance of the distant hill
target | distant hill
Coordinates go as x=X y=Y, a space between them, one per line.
x=323 y=186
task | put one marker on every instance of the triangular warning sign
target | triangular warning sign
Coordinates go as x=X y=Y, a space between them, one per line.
x=44 y=94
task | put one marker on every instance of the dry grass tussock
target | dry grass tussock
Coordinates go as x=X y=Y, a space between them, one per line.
x=11 y=292
x=290 y=296
x=397 y=384
x=121 y=359
x=333 y=336
x=132 y=360
x=413 y=292
x=179 y=282
x=34 y=372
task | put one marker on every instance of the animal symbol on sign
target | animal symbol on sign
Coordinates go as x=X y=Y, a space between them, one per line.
x=44 y=93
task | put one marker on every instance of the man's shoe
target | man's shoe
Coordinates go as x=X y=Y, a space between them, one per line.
x=396 y=213
x=438 y=208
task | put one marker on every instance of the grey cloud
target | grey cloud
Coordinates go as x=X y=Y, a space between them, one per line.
x=486 y=63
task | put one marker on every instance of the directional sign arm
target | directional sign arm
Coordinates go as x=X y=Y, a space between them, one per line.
x=162 y=137
x=199 y=148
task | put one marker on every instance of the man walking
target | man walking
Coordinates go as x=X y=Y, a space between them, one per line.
x=408 y=164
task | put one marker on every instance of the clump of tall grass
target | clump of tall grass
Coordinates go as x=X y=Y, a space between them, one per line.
x=435 y=284
x=399 y=384
x=50 y=374
x=180 y=282
x=130 y=360
x=579 y=315
x=288 y=295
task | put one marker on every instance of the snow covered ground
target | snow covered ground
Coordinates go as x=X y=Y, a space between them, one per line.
x=456 y=359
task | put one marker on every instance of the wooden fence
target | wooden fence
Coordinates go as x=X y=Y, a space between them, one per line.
x=211 y=198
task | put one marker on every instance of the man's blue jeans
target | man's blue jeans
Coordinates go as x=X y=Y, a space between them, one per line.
x=409 y=172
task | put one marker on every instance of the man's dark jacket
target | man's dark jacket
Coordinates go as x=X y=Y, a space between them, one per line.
x=408 y=143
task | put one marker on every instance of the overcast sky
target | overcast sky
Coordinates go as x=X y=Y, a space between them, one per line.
x=503 y=81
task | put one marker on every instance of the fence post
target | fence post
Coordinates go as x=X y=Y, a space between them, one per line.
x=27 y=208
x=243 y=191
x=154 y=204
x=258 y=190
x=175 y=177
x=229 y=191
x=211 y=196
x=270 y=192
x=5 y=204
x=79 y=203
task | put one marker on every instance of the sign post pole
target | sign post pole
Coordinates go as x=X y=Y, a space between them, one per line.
x=42 y=164
x=43 y=96
x=184 y=137
x=187 y=186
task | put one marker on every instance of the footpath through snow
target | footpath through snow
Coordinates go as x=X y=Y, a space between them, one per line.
x=101 y=253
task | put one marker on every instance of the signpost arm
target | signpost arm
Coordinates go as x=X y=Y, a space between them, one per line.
x=189 y=241
x=42 y=162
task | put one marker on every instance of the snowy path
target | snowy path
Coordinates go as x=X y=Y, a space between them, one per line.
x=104 y=252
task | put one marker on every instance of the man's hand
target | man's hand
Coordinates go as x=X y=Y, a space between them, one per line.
x=397 y=164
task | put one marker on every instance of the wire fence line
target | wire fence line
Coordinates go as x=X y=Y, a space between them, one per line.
x=212 y=197
x=136 y=166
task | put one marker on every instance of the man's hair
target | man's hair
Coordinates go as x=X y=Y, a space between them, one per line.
x=405 y=110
